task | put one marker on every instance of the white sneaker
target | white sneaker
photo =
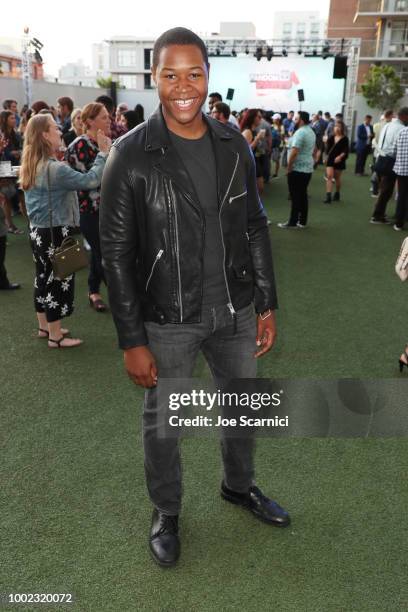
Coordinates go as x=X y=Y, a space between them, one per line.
x=286 y=226
x=397 y=229
x=300 y=226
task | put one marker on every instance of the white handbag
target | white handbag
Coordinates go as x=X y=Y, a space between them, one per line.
x=401 y=266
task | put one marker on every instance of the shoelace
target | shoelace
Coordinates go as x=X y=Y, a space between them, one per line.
x=266 y=500
x=167 y=524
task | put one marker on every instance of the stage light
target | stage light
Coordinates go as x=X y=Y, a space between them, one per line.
x=38 y=44
x=233 y=53
x=246 y=50
x=284 y=52
x=326 y=51
x=299 y=51
x=269 y=53
x=314 y=52
x=217 y=51
x=258 y=53
x=38 y=57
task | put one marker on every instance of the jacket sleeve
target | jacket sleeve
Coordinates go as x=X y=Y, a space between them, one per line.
x=119 y=245
x=362 y=133
x=72 y=180
x=259 y=242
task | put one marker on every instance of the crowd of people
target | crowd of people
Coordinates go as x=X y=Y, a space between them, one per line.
x=296 y=143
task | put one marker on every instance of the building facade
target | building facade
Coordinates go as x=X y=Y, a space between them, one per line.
x=76 y=73
x=382 y=26
x=299 y=26
x=10 y=64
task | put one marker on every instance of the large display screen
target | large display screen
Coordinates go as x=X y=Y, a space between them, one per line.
x=273 y=85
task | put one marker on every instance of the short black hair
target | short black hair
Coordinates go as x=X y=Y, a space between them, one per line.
x=107 y=102
x=305 y=117
x=215 y=95
x=403 y=111
x=178 y=36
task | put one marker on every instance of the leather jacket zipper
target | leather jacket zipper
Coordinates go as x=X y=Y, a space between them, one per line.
x=230 y=305
x=237 y=196
x=158 y=256
x=177 y=250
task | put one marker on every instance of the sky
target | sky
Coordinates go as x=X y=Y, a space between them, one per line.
x=67 y=30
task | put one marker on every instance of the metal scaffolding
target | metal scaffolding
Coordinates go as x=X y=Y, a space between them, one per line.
x=267 y=49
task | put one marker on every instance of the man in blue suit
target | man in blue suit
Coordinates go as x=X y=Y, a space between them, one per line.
x=365 y=134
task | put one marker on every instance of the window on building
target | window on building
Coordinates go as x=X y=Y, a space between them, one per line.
x=126 y=57
x=5 y=67
x=401 y=70
x=148 y=81
x=300 y=28
x=148 y=58
x=398 y=46
x=287 y=29
x=129 y=81
x=401 y=6
x=314 y=29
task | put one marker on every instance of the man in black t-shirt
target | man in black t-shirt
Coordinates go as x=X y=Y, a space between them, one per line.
x=187 y=258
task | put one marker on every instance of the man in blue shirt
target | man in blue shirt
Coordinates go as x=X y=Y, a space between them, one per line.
x=300 y=167
x=289 y=124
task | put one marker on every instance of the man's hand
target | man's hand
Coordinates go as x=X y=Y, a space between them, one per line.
x=266 y=332
x=141 y=366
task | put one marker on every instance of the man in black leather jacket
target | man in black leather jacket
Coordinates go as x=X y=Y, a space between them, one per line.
x=187 y=257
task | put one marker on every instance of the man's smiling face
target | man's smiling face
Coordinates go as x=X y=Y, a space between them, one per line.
x=181 y=77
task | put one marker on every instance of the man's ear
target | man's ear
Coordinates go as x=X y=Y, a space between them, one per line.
x=154 y=75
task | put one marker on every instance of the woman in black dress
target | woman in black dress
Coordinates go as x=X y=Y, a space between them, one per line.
x=337 y=153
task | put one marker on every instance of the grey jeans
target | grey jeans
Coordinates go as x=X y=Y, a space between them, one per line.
x=175 y=348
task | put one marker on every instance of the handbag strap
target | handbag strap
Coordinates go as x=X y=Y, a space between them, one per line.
x=334 y=144
x=50 y=204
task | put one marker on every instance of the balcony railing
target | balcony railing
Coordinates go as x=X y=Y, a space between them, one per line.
x=378 y=7
x=379 y=50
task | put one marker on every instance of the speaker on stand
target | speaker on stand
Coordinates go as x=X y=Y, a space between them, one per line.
x=301 y=97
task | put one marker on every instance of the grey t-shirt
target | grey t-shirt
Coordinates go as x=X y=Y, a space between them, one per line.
x=198 y=158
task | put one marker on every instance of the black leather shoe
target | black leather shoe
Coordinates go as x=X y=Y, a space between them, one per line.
x=256 y=502
x=164 y=542
x=10 y=287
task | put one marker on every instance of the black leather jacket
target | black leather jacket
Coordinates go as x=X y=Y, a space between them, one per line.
x=152 y=230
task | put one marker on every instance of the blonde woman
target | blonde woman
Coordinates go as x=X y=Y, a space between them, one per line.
x=40 y=174
x=77 y=128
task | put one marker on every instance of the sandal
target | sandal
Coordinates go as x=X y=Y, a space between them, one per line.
x=64 y=332
x=14 y=230
x=98 y=304
x=58 y=344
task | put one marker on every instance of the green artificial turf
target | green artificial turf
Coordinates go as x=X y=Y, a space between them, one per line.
x=74 y=513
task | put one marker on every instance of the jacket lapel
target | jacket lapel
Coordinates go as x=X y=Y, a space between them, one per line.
x=171 y=166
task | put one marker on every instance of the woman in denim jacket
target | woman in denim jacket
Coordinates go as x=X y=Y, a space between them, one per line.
x=53 y=299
